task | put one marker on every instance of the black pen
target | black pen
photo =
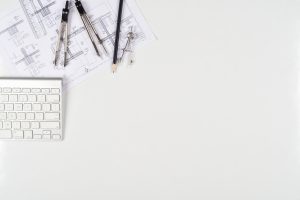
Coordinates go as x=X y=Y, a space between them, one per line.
x=115 y=59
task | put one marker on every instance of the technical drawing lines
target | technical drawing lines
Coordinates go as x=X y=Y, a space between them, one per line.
x=28 y=35
x=76 y=32
x=44 y=10
x=36 y=11
x=27 y=58
x=73 y=55
x=109 y=36
x=11 y=30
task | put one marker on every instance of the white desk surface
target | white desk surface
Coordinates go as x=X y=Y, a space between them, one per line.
x=209 y=111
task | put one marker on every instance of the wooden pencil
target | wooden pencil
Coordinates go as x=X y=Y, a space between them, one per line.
x=118 y=31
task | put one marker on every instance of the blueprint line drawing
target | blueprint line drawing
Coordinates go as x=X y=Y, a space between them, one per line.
x=44 y=10
x=29 y=34
x=38 y=13
x=13 y=29
x=28 y=58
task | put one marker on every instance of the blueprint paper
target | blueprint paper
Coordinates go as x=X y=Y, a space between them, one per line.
x=29 y=34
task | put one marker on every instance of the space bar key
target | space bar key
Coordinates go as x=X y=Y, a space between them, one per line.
x=5 y=134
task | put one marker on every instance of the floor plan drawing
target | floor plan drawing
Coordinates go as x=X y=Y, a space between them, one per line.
x=30 y=34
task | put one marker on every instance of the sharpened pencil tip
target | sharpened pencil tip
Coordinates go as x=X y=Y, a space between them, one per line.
x=98 y=54
x=114 y=68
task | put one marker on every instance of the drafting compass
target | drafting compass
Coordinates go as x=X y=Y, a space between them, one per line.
x=90 y=28
x=63 y=35
x=131 y=36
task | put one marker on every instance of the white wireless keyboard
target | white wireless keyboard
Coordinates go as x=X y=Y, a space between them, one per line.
x=31 y=109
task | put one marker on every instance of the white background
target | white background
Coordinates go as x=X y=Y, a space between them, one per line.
x=209 y=111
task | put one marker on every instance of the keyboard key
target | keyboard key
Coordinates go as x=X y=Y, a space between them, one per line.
x=51 y=116
x=18 y=135
x=37 y=107
x=55 y=91
x=18 y=107
x=50 y=125
x=38 y=137
x=31 y=98
x=26 y=90
x=21 y=116
x=36 y=90
x=2 y=116
x=27 y=107
x=1 y=125
x=55 y=107
x=52 y=98
x=35 y=125
x=13 y=98
x=46 y=132
x=6 y=90
x=23 y=98
x=4 y=98
x=25 y=125
x=39 y=116
x=5 y=134
x=30 y=116
x=56 y=137
x=1 y=106
x=45 y=91
x=46 y=137
x=9 y=107
x=41 y=98
x=6 y=125
x=28 y=135
x=16 y=125
x=16 y=90
x=11 y=116
x=46 y=107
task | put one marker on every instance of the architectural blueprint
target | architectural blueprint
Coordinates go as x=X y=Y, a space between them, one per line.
x=28 y=35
